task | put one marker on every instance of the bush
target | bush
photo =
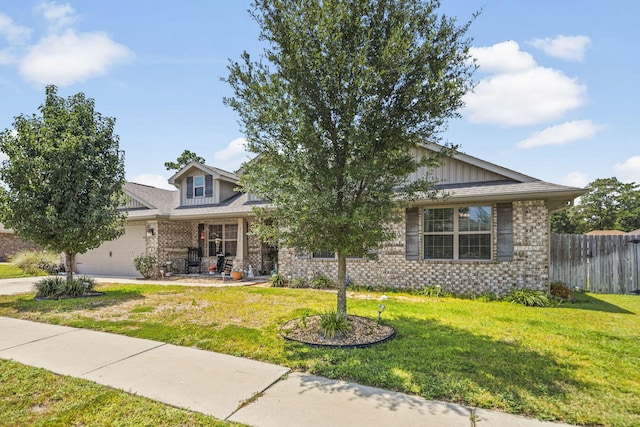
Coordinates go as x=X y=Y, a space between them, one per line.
x=277 y=281
x=57 y=287
x=560 y=290
x=298 y=282
x=528 y=298
x=321 y=282
x=145 y=264
x=36 y=262
x=333 y=323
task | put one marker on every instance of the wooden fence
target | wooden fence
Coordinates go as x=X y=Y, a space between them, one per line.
x=600 y=264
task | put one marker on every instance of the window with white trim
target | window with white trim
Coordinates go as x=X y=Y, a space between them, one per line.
x=198 y=186
x=223 y=239
x=461 y=233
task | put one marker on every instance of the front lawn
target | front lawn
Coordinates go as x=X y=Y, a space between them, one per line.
x=32 y=396
x=8 y=271
x=576 y=363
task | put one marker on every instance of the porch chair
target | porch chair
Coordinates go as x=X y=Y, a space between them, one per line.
x=194 y=256
x=226 y=271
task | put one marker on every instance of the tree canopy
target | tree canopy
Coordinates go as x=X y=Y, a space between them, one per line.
x=344 y=93
x=608 y=205
x=183 y=159
x=64 y=176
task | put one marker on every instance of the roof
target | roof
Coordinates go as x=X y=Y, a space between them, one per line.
x=508 y=185
x=166 y=203
x=216 y=172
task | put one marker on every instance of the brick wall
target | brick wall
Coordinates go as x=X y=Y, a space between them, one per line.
x=11 y=243
x=528 y=269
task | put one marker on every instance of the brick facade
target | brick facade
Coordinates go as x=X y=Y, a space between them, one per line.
x=527 y=269
x=171 y=240
x=11 y=244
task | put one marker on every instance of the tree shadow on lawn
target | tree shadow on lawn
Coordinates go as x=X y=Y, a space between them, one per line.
x=110 y=298
x=593 y=303
x=439 y=362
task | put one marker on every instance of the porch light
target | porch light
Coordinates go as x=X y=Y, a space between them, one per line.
x=150 y=232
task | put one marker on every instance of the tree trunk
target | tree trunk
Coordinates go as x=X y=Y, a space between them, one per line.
x=342 y=283
x=69 y=261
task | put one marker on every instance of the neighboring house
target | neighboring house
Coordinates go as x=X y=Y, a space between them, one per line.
x=11 y=243
x=490 y=234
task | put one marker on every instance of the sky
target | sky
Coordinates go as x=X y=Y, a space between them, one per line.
x=555 y=95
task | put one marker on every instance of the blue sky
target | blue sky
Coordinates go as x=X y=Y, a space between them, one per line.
x=556 y=94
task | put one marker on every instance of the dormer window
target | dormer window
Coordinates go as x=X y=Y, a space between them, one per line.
x=198 y=186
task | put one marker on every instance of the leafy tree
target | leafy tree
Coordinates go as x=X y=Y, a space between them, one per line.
x=64 y=176
x=183 y=159
x=345 y=91
x=608 y=205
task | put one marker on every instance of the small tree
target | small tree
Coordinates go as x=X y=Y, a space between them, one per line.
x=182 y=160
x=64 y=177
x=348 y=91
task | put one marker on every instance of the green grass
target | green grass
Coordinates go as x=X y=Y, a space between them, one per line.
x=35 y=397
x=576 y=363
x=8 y=271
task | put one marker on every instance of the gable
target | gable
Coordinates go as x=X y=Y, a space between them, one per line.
x=463 y=169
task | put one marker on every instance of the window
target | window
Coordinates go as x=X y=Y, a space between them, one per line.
x=323 y=255
x=198 y=186
x=458 y=233
x=223 y=239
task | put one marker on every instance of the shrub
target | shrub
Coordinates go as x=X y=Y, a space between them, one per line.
x=277 y=281
x=36 y=262
x=333 y=323
x=321 y=282
x=528 y=298
x=298 y=282
x=56 y=287
x=145 y=264
x=560 y=290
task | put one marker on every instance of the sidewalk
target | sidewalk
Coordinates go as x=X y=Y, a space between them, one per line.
x=226 y=387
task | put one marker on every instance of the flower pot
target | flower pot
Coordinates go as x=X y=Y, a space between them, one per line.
x=236 y=275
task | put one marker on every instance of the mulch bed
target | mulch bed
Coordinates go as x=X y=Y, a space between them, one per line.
x=363 y=333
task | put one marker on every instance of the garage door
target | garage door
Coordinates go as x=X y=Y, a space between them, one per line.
x=114 y=257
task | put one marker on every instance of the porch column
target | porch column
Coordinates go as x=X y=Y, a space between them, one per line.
x=242 y=242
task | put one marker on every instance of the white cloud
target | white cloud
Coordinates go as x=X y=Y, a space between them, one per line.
x=232 y=156
x=14 y=34
x=570 y=48
x=629 y=170
x=153 y=180
x=58 y=15
x=576 y=179
x=561 y=134
x=67 y=58
x=521 y=98
x=502 y=57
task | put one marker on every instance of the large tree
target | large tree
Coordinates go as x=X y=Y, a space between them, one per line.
x=608 y=205
x=64 y=176
x=344 y=92
x=183 y=159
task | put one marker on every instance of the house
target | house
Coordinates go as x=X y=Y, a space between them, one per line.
x=606 y=233
x=206 y=212
x=490 y=234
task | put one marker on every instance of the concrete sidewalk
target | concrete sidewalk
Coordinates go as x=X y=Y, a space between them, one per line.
x=227 y=387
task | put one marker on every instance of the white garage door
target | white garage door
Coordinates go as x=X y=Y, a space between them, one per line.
x=114 y=257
